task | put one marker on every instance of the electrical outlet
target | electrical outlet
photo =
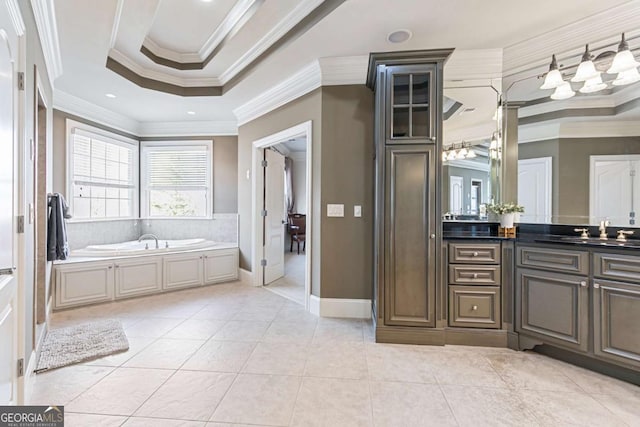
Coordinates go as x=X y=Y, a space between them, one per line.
x=357 y=211
x=335 y=210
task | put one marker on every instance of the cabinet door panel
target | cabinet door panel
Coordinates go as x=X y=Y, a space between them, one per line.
x=553 y=307
x=84 y=284
x=616 y=322
x=616 y=267
x=220 y=266
x=565 y=261
x=409 y=221
x=138 y=277
x=182 y=271
x=474 y=306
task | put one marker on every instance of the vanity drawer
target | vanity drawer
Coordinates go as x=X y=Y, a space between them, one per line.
x=618 y=267
x=474 y=306
x=487 y=275
x=476 y=253
x=559 y=260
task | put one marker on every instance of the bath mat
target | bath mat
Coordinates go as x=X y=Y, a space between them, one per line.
x=75 y=344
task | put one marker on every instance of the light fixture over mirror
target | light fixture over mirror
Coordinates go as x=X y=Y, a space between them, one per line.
x=590 y=70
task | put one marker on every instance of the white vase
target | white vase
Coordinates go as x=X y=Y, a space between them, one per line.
x=506 y=220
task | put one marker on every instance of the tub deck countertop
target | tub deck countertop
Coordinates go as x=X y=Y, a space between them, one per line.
x=170 y=251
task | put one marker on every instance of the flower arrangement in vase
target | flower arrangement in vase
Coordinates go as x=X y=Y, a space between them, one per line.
x=506 y=212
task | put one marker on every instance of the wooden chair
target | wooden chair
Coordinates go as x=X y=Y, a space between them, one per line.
x=297 y=228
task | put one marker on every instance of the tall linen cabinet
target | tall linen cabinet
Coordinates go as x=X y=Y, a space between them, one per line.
x=408 y=137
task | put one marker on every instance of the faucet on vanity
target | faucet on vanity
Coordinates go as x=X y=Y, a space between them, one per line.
x=153 y=236
x=603 y=229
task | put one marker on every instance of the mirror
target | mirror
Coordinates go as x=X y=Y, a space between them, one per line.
x=579 y=158
x=471 y=161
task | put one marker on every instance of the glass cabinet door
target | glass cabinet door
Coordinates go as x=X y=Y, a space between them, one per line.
x=410 y=98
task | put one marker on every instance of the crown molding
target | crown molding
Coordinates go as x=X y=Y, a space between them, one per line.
x=304 y=8
x=172 y=55
x=45 y=17
x=116 y=24
x=141 y=71
x=229 y=23
x=77 y=106
x=297 y=85
x=474 y=64
x=536 y=51
x=581 y=129
x=16 y=17
x=188 y=128
x=344 y=70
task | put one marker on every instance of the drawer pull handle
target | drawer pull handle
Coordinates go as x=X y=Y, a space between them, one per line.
x=475 y=275
x=583 y=284
x=476 y=254
x=474 y=308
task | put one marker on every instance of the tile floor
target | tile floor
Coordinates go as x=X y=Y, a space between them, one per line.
x=291 y=286
x=235 y=355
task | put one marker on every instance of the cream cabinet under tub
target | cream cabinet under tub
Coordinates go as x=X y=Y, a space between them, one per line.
x=90 y=282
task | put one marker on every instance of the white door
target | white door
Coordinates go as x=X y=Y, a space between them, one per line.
x=455 y=195
x=614 y=189
x=275 y=219
x=8 y=136
x=534 y=189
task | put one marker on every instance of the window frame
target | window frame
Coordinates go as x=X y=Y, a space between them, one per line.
x=168 y=145
x=112 y=138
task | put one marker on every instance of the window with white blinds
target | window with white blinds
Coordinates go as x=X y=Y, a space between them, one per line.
x=103 y=174
x=176 y=179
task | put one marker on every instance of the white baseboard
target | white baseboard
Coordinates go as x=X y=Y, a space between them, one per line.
x=246 y=276
x=29 y=377
x=339 y=307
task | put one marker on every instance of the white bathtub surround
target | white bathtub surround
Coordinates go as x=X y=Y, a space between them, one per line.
x=144 y=247
x=222 y=228
x=81 y=234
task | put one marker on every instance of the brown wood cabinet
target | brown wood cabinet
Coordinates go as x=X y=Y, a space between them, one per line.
x=408 y=139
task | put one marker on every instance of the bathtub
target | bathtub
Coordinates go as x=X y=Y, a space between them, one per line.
x=145 y=247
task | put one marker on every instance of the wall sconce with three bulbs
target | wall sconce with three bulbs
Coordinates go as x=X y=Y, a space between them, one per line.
x=590 y=70
x=460 y=151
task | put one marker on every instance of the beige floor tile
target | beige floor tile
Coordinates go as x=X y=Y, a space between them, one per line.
x=85 y=420
x=121 y=392
x=60 y=386
x=220 y=356
x=259 y=399
x=595 y=383
x=388 y=362
x=136 y=345
x=277 y=359
x=325 y=402
x=526 y=372
x=490 y=407
x=219 y=311
x=568 y=409
x=290 y=332
x=152 y=327
x=165 y=354
x=295 y=314
x=159 y=422
x=626 y=407
x=337 y=360
x=464 y=368
x=188 y=395
x=196 y=329
x=257 y=313
x=338 y=330
x=241 y=330
x=405 y=404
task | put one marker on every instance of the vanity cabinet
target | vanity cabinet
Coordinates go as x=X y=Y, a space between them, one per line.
x=408 y=138
x=474 y=273
x=80 y=284
x=616 y=308
x=182 y=271
x=220 y=266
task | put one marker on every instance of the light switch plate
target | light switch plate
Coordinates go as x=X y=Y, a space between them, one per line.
x=357 y=211
x=335 y=210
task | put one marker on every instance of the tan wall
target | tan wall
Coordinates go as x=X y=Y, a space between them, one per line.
x=305 y=108
x=348 y=178
x=225 y=161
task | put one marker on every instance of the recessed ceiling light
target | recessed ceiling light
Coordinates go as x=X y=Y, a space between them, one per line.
x=110 y=95
x=399 y=36
x=191 y=113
